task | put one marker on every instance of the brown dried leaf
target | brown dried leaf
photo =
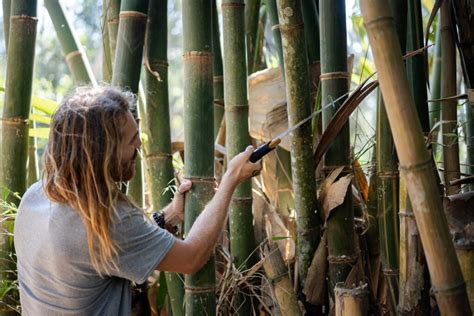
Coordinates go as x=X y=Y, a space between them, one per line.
x=315 y=283
x=335 y=194
x=328 y=181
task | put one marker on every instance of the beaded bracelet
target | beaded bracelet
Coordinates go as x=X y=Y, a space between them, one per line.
x=159 y=218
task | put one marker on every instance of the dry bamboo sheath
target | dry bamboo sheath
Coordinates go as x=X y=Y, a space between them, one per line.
x=415 y=164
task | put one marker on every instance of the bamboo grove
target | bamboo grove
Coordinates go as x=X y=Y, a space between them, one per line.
x=382 y=228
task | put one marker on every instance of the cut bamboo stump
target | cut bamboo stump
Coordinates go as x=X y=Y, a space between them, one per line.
x=351 y=301
x=415 y=161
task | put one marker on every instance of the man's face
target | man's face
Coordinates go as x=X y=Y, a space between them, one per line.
x=129 y=148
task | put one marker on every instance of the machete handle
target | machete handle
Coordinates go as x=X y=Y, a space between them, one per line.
x=264 y=149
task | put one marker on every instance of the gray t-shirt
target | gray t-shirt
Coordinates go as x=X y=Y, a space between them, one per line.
x=54 y=269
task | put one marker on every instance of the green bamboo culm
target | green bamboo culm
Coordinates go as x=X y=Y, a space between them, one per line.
x=415 y=162
x=242 y=242
x=127 y=66
x=299 y=107
x=311 y=30
x=342 y=249
x=6 y=6
x=273 y=18
x=388 y=176
x=435 y=91
x=33 y=168
x=218 y=77
x=199 y=146
x=252 y=13
x=113 y=17
x=106 y=57
x=449 y=107
x=414 y=293
x=158 y=147
x=14 y=124
x=467 y=108
x=74 y=54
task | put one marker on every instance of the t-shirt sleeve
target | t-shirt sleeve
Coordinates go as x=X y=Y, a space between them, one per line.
x=141 y=245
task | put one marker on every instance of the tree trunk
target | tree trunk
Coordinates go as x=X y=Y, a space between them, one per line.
x=74 y=54
x=342 y=248
x=16 y=110
x=415 y=162
x=199 y=145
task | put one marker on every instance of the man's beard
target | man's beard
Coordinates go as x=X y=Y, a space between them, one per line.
x=127 y=169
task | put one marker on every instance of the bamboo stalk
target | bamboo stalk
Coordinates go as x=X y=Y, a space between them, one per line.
x=74 y=54
x=414 y=294
x=33 y=168
x=351 y=301
x=242 y=242
x=159 y=156
x=127 y=66
x=16 y=110
x=273 y=16
x=252 y=10
x=113 y=17
x=6 y=5
x=218 y=71
x=199 y=147
x=448 y=107
x=373 y=237
x=415 y=163
x=106 y=57
x=468 y=108
x=342 y=248
x=277 y=272
x=299 y=107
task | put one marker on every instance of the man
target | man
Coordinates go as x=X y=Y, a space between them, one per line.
x=80 y=242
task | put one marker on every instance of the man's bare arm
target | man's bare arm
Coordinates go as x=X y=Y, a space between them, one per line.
x=189 y=255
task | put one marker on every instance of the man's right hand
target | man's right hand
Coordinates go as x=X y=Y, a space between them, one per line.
x=241 y=169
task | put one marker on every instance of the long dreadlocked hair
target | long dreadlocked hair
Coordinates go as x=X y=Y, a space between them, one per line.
x=82 y=161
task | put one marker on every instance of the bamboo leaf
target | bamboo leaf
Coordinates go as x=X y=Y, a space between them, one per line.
x=40 y=132
x=38 y=118
x=336 y=194
x=315 y=283
x=44 y=105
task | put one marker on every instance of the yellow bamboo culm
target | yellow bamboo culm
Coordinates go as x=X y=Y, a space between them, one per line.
x=415 y=162
x=353 y=301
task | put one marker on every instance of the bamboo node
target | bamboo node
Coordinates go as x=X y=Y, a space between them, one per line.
x=381 y=20
x=278 y=278
x=113 y=21
x=404 y=214
x=191 y=289
x=158 y=63
x=23 y=17
x=241 y=199
x=218 y=78
x=71 y=55
x=342 y=259
x=132 y=14
x=159 y=156
x=197 y=179
x=238 y=108
x=292 y=28
x=334 y=75
x=390 y=271
x=14 y=121
x=219 y=103
x=416 y=166
x=388 y=174
x=233 y=5
x=450 y=290
x=197 y=54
